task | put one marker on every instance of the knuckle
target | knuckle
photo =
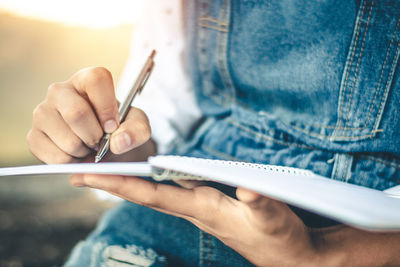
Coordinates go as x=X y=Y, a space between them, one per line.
x=30 y=139
x=108 y=110
x=97 y=75
x=54 y=88
x=211 y=206
x=76 y=113
x=94 y=139
x=75 y=146
x=97 y=135
x=38 y=111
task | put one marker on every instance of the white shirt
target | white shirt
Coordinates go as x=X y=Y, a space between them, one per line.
x=167 y=98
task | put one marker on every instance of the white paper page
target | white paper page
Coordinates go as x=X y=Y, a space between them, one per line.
x=354 y=205
x=121 y=168
x=393 y=191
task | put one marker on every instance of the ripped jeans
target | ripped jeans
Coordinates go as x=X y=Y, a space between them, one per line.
x=130 y=235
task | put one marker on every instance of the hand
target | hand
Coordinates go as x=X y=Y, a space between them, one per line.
x=68 y=125
x=264 y=231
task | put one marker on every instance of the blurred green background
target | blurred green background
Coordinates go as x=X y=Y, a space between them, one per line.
x=42 y=217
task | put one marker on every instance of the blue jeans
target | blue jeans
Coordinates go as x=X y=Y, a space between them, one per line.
x=139 y=236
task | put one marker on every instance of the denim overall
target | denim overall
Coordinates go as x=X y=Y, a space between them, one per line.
x=307 y=84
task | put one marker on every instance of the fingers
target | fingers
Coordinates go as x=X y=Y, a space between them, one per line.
x=50 y=121
x=260 y=209
x=76 y=112
x=97 y=85
x=201 y=203
x=246 y=195
x=74 y=116
x=133 y=132
x=37 y=140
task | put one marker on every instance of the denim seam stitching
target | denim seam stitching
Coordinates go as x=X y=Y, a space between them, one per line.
x=210 y=19
x=222 y=51
x=336 y=137
x=377 y=91
x=379 y=86
x=358 y=63
x=219 y=153
x=213 y=27
x=384 y=97
x=354 y=48
x=266 y=137
x=382 y=72
x=387 y=163
x=374 y=130
x=201 y=256
x=209 y=252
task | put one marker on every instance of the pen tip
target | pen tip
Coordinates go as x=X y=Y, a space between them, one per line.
x=97 y=159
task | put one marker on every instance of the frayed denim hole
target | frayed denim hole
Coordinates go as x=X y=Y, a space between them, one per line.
x=132 y=255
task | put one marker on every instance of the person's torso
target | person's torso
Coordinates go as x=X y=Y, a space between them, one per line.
x=286 y=80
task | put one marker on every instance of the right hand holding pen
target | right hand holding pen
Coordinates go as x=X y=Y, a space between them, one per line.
x=68 y=125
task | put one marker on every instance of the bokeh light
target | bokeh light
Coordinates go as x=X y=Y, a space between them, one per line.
x=87 y=13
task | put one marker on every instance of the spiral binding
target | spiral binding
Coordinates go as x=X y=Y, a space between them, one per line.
x=166 y=174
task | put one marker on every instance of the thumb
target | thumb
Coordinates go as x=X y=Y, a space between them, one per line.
x=133 y=132
x=96 y=84
x=261 y=207
x=246 y=195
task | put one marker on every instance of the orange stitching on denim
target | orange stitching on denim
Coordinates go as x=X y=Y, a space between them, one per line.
x=372 y=104
x=336 y=137
x=381 y=76
x=214 y=20
x=354 y=47
x=222 y=54
x=220 y=154
x=387 y=81
x=212 y=27
x=350 y=63
x=359 y=59
x=379 y=160
x=377 y=131
x=265 y=137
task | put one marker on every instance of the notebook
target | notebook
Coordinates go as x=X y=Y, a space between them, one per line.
x=354 y=205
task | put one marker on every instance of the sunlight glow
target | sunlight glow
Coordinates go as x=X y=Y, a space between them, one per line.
x=87 y=13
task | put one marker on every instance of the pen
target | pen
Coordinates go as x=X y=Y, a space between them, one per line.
x=124 y=108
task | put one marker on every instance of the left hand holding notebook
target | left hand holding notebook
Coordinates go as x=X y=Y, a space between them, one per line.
x=259 y=228
x=263 y=230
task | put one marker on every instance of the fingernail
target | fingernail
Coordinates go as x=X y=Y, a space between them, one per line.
x=110 y=126
x=123 y=142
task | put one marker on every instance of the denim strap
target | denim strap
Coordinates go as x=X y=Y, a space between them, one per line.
x=342 y=168
x=369 y=71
